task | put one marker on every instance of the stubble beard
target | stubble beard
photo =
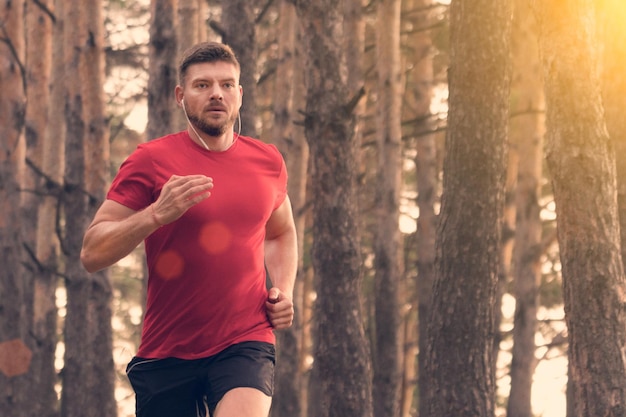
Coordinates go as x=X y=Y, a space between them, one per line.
x=213 y=130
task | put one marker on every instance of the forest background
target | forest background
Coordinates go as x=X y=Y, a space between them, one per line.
x=457 y=173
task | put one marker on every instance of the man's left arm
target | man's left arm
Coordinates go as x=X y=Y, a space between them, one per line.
x=281 y=260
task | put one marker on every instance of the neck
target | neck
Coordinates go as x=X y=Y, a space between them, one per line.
x=212 y=143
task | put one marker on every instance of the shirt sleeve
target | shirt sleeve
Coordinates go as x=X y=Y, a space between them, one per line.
x=134 y=184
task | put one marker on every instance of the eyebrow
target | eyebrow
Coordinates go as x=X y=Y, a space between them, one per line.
x=221 y=80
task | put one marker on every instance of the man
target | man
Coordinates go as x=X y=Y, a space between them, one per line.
x=213 y=210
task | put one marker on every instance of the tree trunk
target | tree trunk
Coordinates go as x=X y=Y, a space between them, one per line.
x=187 y=34
x=354 y=46
x=45 y=313
x=427 y=172
x=188 y=27
x=301 y=205
x=162 y=70
x=461 y=329
x=426 y=234
x=239 y=31
x=96 y=183
x=341 y=375
x=292 y=144
x=15 y=354
x=582 y=165
x=387 y=241
x=73 y=398
x=86 y=373
x=526 y=136
x=612 y=17
x=41 y=275
x=45 y=318
x=38 y=60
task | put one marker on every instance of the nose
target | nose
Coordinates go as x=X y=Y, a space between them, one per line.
x=216 y=93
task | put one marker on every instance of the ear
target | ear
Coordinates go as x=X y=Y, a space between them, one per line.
x=178 y=93
x=240 y=96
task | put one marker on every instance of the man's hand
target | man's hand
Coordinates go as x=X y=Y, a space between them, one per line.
x=279 y=309
x=179 y=194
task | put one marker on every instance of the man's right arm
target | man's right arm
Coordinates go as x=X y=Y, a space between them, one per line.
x=115 y=231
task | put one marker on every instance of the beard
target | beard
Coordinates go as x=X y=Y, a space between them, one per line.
x=214 y=130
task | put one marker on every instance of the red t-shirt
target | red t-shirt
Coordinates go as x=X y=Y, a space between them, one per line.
x=206 y=285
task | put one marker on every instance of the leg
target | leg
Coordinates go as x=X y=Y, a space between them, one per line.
x=240 y=380
x=165 y=388
x=243 y=402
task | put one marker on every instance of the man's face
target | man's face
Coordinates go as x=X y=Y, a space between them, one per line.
x=212 y=96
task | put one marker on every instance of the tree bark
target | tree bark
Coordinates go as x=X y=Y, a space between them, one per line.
x=163 y=69
x=612 y=16
x=87 y=373
x=582 y=166
x=41 y=276
x=292 y=144
x=187 y=34
x=96 y=183
x=354 y=46
x=461 y=328
x=341 y=375
x=526 y=136
x=427 y=173
x=45 y=318
x=45 y=314
x=15 y=354
x=239 y=31
x=76 y=335
x=387 y=241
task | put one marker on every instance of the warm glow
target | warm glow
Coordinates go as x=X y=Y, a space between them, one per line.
x=215 y=238
x=170 y=265
x=611 y=16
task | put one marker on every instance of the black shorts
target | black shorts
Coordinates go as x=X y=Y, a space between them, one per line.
x=174 y=387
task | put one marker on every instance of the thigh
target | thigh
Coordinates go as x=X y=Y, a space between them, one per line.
x=248 y=402
x=166 y=388
x=248 y=365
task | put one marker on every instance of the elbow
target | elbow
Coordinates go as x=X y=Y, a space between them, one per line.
x=88 y=261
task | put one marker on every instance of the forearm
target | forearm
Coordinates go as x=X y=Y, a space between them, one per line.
x=108 y=241
x=281 y=260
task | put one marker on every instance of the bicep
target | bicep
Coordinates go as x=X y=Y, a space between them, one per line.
x=111 y=211
x=280 y=222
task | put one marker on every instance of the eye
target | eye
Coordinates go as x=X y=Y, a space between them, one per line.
x=229 y=85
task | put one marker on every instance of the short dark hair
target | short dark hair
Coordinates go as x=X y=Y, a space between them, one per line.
x=206 y=52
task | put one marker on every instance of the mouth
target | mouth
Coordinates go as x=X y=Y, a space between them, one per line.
x=215 y=110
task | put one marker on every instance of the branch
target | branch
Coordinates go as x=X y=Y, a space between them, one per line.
x=42 y=268
x=46 y=10
x=50 y=182
x=263 y=12
x=217 y=28
x=351 y=105
x=7 y=40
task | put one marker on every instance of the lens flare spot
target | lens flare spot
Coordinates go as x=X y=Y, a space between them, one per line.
x=215 y=238
x=170 y=265
x=15 y=358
